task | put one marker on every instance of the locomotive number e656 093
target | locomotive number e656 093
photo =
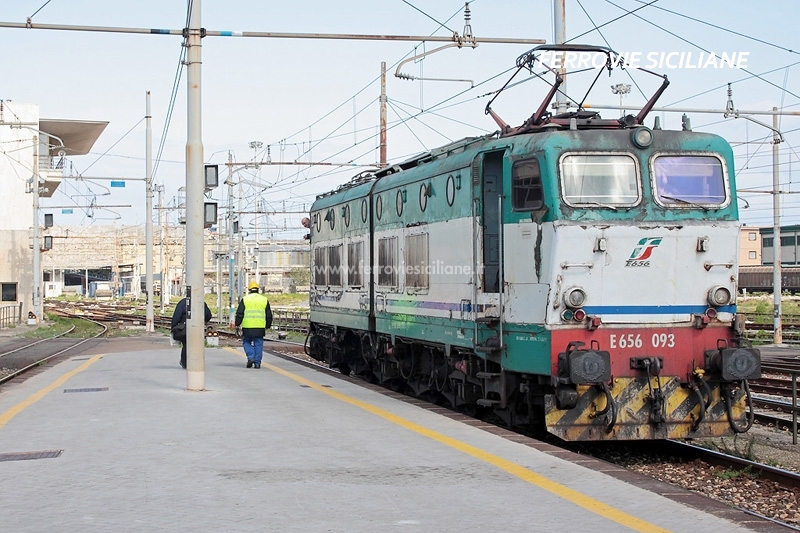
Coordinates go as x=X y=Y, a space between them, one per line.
x=634 y=340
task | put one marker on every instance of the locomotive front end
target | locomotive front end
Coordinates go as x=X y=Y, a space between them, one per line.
x=645 y=340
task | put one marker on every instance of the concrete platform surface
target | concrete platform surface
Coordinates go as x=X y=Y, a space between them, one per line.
x=114 y=442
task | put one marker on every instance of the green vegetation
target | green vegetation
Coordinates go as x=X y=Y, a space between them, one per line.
x=291 y=336
x=734 y=474
x=57 y=325
x=301 y=276
x=764 y=305
x=288 y=299
x=738 y=446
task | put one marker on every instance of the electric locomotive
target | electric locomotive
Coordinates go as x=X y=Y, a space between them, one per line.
x=574 y=274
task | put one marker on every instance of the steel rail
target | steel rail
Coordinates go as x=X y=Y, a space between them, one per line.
x=45 y=359
x=70 y=330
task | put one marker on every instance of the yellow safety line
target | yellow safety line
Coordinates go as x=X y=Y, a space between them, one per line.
x=578 y=498
x=6 y=417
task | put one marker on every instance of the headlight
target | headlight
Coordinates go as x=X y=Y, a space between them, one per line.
x=574 y=297
x=719 y=296
x=642 y=137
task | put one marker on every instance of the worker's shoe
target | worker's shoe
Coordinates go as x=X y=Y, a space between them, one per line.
x=258 y=365
x=250 y=363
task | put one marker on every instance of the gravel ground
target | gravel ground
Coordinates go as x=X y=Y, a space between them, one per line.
x=737 y=488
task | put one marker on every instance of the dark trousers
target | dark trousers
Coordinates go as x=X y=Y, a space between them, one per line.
x=183 y=351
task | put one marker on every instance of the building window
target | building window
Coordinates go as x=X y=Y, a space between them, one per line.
x=387 y=262
x=9 y=292
x=417 y=261
x=767 y=242
x=752 y=255
x=788 y=240
x=751 y=236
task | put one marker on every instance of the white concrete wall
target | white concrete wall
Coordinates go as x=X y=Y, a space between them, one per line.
x=16 y=165
x=16 y=209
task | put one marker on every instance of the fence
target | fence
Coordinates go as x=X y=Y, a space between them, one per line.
x=10 y=315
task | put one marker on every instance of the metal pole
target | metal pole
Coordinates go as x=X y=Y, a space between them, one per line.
x=240 y=251
x=794 y=408
x=195 y=186
x=559 y=37
x=712 y=111
x=37 y=252
x=218 y=258
x=148 y=225
x=231 y=300
x=161 y=248
x=776 y=212
x=273 y=35
x=383 y=115
x=501 y=265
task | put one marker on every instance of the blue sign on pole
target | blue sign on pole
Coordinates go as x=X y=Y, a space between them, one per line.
x=117 y=183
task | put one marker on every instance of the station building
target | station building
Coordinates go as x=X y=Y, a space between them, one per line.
x=29 y=142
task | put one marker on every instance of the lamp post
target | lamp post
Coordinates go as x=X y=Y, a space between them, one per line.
x=621 y=89
x=256 y=146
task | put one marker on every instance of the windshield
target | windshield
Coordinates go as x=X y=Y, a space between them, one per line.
x=682 y=181
x=600 y=179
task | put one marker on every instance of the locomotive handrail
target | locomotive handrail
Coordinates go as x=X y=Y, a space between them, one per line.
x=500 y=277
x=566 y=265
x=709 y=266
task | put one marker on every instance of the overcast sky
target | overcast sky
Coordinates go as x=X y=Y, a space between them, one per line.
x=317 y=100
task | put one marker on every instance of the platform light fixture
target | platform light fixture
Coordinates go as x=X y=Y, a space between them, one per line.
x=211 y=177
x=209 y=214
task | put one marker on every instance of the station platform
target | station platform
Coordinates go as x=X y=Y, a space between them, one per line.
x=111 y=440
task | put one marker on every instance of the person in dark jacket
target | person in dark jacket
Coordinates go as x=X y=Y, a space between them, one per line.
x=255 y=317
x=179 y=326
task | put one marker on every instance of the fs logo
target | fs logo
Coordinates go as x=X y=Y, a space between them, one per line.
x=641 y=253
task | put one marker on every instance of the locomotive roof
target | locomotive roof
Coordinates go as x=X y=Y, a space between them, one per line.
x=363 y=183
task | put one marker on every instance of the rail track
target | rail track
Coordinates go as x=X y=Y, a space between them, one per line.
x=129 y=316
x=22 y=355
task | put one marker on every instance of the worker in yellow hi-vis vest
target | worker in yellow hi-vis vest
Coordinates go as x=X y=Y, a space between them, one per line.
x=255 y=318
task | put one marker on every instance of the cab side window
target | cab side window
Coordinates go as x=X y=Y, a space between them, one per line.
x=526 y=186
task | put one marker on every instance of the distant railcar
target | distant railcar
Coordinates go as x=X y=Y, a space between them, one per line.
x=101 y=290
x=760 y=278
x=574 y=274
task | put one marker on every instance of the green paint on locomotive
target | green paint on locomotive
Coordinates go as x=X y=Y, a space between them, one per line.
x=442 y=331
x=527 y=349
x=422 y=193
